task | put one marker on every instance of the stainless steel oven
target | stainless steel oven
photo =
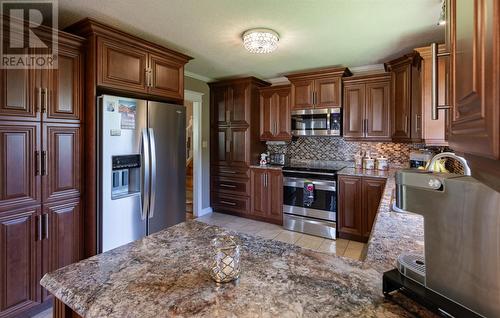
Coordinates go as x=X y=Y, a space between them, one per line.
x=317 y=122
x=310 y=202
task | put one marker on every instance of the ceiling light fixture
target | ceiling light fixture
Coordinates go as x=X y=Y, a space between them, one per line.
x=442 y=15
x=260 y=40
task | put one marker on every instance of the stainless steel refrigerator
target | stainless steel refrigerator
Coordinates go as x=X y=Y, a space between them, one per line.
x=142 y=169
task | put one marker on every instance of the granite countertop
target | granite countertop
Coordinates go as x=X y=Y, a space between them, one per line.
x=274 y=167
x=366 y=173
x=166 y=274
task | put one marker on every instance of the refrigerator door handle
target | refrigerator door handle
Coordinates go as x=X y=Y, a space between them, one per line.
x=146 y=180
x=153 y=173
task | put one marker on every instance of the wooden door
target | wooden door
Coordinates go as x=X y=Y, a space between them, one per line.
x=63 y=95
x=20 y=94
x=275 y=195
x=328 y=92
x=350 y=212
x=302 y=93
x=221 y=150
x=62 y=240
x=377 y=111
x=61 y=161
x=19 y=164
x=167 y=77
x=238 y=141
x=475 y=55
x=220 y=108
x=267 y=114
x=283 y=120
x=259 y=192
x=121 y=66
x=20 y=260
x=239 y=100
x=372 y=189
x=401 y=108
x=354 y=111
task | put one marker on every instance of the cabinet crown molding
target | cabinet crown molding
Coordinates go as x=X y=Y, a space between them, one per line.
x=371 y=77
x=330 y=71
x=412 y=58
x=250 y=79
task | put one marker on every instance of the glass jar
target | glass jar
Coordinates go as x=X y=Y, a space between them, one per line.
x=226 y=259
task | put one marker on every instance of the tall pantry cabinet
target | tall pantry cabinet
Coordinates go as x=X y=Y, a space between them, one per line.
x=40 y=174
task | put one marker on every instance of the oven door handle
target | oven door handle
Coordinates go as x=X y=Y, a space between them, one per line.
x=318 y=184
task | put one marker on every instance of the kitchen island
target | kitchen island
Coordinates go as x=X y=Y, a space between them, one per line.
x=166 y=274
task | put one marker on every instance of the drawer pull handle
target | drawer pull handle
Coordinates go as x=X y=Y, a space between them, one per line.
x=227 y=171
x=227 y=185
x=228 y=203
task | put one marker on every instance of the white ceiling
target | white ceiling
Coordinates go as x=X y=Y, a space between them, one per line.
x=314 y=33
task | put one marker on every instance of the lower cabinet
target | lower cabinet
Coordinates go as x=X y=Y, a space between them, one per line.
x=266 y=195
x=358 y=202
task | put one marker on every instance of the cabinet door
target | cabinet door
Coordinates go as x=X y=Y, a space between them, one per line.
x=259 y=192
x=61 y=161
x=372 y=189
x=354 y=111
x=328 y=92
x=267 y=115
x=64 y=88
x=19 y=254
x=167 y=77
x=283 y=131
x=20 y=94
x=221 y=150
x=62 y=243
x=302 y=94
x=401 y=112
x=121 y=66
x=19 y=164
x=475 y=55
x=239 y=101
x=238 y=139
x=377 y=111
x=275 y=195
x=220 y=111
x=350 y=215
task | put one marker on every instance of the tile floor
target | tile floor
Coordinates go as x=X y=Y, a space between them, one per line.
x=341 y=247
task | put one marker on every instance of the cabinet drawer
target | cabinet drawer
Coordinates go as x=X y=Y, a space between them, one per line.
x=229 y=171
x=230 y=203
x=231 y=185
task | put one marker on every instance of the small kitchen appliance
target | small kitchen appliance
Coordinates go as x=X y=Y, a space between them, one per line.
x=420 y=158
x=310 y=197
x=279 y=159
x=459 y=273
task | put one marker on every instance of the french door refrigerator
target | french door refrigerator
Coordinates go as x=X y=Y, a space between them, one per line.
x=142 y=169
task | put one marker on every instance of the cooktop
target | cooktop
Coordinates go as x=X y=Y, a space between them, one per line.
x=315 y=166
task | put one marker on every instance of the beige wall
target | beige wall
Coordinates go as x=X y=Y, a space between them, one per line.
x=196 y=85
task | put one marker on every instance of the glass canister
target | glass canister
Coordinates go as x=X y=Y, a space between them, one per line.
x=226 y=259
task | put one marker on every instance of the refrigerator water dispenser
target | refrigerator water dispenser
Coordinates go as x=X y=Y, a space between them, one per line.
x=126 y=175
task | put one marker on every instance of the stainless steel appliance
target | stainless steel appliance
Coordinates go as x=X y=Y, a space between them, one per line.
x=310 y=198
x=279 y=159
x=460 y=271
x=420 y=158
x=141 y=168
x=317 y=122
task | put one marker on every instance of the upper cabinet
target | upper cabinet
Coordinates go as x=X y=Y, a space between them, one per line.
x=127 y=63
x=366 y=107
x=406 y=114
x=275 y=113
x=475 y=59
x=434 y=132
x=318 y=88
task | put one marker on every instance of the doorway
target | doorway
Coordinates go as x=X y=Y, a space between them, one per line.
x=193 y=104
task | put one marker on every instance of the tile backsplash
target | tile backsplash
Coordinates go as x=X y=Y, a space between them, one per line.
x=334 y=148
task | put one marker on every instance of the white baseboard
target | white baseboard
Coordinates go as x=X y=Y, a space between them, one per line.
x=205 y=211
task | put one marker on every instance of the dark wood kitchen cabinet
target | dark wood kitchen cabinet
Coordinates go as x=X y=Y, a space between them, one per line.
x=275 y=113
x=40 y=142
x=367 y=107
x=235 y=125
x=267 y=194
x=406 y=109
x=317 y=88
x=358 y=202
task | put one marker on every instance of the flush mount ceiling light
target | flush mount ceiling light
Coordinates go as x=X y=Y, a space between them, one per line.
x=260 y=40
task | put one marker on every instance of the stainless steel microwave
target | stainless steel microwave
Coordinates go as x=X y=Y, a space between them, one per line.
x=317 y=122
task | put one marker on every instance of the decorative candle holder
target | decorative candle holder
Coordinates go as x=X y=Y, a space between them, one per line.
x=226 y=259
